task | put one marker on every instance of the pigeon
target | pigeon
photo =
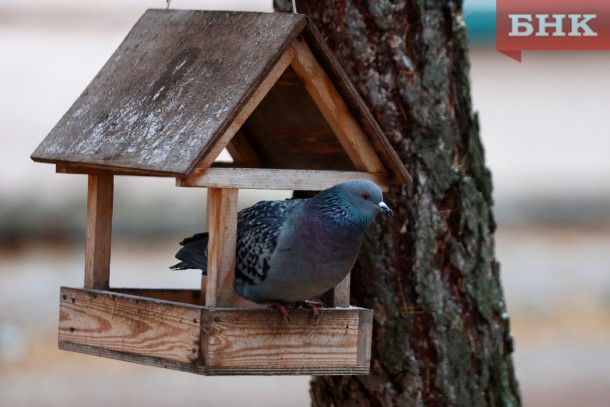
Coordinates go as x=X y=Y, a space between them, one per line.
x=291 y=251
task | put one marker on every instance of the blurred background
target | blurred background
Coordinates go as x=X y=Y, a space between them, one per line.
x=544 y=124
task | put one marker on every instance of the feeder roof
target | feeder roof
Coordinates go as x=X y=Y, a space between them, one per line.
x=184 y=84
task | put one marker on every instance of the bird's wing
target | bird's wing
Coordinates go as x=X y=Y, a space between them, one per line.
x=259 y=227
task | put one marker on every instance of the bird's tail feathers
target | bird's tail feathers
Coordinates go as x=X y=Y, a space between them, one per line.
x=180 y=266
x=193 y=254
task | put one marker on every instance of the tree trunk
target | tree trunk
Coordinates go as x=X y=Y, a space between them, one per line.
x=441 y=332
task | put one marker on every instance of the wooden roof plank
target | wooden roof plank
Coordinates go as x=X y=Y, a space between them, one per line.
x=183 y=82
x=170 y=90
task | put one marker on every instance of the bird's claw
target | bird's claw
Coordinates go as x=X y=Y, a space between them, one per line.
x=315 y=306
x=281 y=308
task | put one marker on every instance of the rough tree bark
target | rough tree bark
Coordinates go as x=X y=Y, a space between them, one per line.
x=441 y=332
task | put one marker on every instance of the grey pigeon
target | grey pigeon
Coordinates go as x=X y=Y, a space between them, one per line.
x=293 y=250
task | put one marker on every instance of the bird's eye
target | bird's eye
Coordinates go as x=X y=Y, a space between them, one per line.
x=365 y=197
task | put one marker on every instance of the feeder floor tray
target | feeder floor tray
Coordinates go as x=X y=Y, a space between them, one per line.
x=166 y=328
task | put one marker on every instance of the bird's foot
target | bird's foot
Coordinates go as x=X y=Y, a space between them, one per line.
x=281 y=308
x=315 y=306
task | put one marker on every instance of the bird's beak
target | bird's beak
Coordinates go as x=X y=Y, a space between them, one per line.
x=386 y=208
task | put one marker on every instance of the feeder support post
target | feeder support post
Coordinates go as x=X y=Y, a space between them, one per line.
x=222 y=229
x=99 y=230
x=341 y=293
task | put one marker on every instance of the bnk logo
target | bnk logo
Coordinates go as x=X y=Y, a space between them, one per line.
x=543 y=25
x=551 y=25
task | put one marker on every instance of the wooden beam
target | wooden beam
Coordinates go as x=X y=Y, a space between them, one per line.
x=242 y=152
x=99 y=231
x=260 y=341
x=118 y=325
x=277 y=179
x=213 y=341
x=248 y=108
x=339 y=296
x=334 y=110
x=99 y=170
x=341 y=293
x=222 y=229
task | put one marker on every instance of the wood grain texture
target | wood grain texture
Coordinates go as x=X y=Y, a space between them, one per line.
x=222 y=229
x=246 y=110
x=100 y=170
x=166 y=294
x=99 y=230
x=126 y=324
x=294 y=138
x=171 y=90
x=212 y=341
x=341 y=293
x=242 y=151
x=257 y=178
x=260 y=341
x=141 y=359
x=340 y=79
x=334 y=110
x=183 y=82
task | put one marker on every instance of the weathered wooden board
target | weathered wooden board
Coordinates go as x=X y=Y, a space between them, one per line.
x=183 y=83
x=257 y=178
x=341 y=293
x=171 y=90
x=100 y=170
x=99 y=230
x=334 y=110
x=222 y=229
x=238 y=341
x=246 y=110
x=102 y=321
x=192 y=297
x=212 y=341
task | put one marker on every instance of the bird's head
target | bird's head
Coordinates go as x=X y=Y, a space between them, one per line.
x=365 y=196
x=352 y=203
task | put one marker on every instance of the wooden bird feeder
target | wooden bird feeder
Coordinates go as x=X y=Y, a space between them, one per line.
x=183 y=86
